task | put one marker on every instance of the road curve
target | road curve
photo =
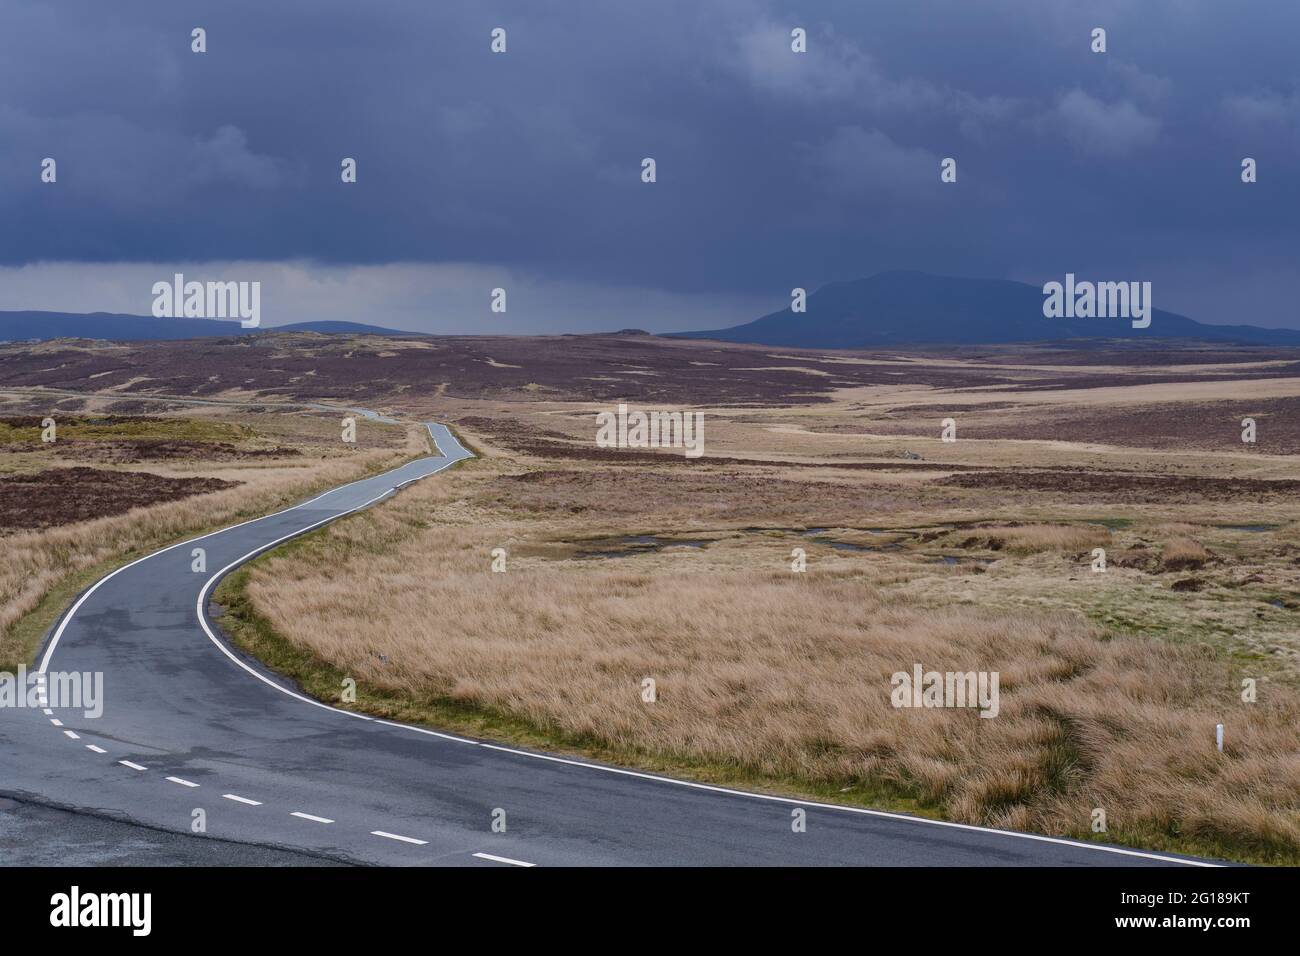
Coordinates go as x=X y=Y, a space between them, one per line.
x=190 y=724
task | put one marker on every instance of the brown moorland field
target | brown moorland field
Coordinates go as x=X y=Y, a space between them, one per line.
x=375 y=369
x=59 y=496
x=977 y=554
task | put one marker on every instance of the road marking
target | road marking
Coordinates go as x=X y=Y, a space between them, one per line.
x=238 y=799
x=398 y=836
x=98 y=750
x=133 y=766
x=56 y=722
x=70 y=734
x=310 y=816
x=183 y=783
x=48 y=712
x=502 y=859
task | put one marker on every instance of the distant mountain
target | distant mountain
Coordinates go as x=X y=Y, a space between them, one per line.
x=350 y=328
x=914 y=308
x=25 y=326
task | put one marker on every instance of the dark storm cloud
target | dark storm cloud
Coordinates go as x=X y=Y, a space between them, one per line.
x=774 y=169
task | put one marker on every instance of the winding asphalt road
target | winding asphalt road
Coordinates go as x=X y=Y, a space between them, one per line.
x=190 y=725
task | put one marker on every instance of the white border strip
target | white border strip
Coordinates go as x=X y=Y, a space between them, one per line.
x=310 y=816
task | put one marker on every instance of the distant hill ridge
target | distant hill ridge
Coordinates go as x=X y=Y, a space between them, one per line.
x=916 y=308
x=890 y=309
x=115 y=327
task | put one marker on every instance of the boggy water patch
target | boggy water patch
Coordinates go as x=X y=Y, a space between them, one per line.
x=627 y=545
x=841 y=545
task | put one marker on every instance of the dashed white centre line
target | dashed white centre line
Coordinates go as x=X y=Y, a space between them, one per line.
x=70 y=734
x=47 y=712
x=398 y=836
x=133 y=766
x=183 y=783
x=98 y=750
x=502 y=859
x=56 y=722
x=310 y=816
x=238 y=799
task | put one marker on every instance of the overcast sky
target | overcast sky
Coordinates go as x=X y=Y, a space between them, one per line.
x=523 y=169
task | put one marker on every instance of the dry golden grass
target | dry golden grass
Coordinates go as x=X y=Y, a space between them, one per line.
x=1030 y=539
x=784 y=676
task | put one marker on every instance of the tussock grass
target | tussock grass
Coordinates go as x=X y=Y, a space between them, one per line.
x=1184 y=553
x=1033 y=538
x=771 y=678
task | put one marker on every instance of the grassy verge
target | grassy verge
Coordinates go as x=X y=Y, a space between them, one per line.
x=252 y=633
x=249 y=630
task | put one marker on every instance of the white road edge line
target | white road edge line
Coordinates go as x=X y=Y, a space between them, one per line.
x=502 y=859
x=238 y=799
x=183 y=783
x=133 y=766
x=98 y=750
x=788 y=801
x=310 y=816
x=398 y=836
